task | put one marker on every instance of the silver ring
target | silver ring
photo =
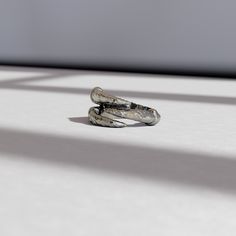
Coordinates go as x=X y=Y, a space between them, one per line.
x=111 y=107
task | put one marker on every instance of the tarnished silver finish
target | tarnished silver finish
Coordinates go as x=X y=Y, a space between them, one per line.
x=111 y=107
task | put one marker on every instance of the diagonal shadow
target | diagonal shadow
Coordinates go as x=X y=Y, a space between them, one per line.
x=191 y=169
x=48 y=74
x=16 y=84
x=129 y=94
x=61 y=74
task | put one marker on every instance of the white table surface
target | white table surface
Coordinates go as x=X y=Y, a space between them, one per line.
x=61 y=176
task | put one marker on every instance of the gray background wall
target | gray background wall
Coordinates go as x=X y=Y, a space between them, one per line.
x=197 y=35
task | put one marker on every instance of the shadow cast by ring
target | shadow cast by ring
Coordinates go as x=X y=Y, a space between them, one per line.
x=85 y=121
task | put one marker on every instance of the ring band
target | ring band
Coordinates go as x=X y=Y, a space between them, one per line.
x=111 y=107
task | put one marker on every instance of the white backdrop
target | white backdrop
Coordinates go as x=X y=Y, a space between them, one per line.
x=61 y=176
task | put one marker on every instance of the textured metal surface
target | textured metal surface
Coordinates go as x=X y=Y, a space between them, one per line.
x=111 y=107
